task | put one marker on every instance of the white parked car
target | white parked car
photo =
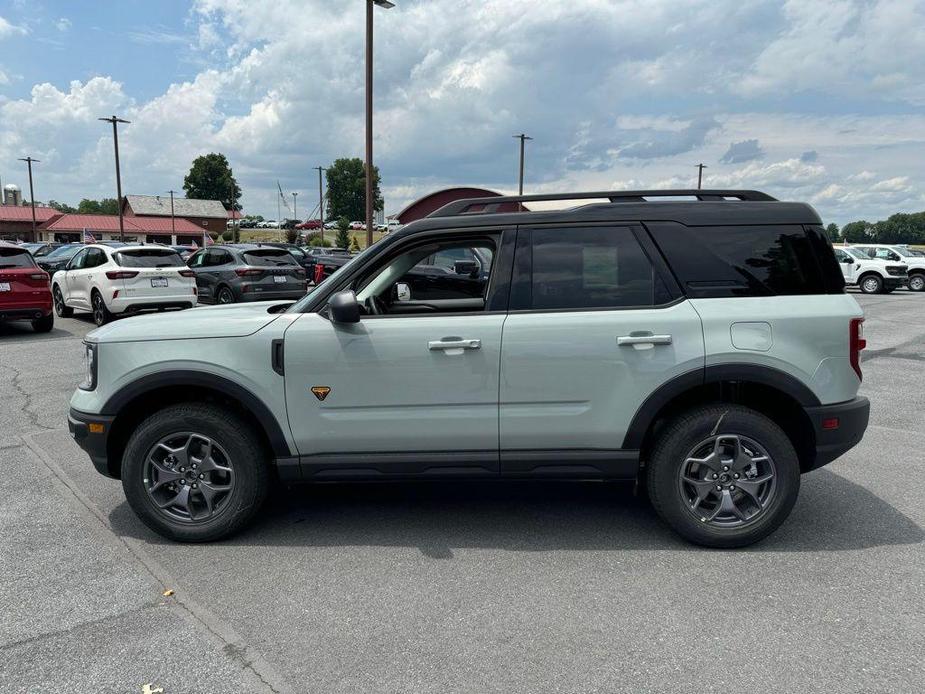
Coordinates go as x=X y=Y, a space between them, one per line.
x=871 y=275
x=357 y=225
x=901 y=254
x=109 y=281
x=267 y=224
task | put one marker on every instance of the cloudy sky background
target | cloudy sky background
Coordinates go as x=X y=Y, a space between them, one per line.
x=818 y=100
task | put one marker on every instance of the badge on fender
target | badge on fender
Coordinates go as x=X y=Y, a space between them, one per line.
x=320 y=392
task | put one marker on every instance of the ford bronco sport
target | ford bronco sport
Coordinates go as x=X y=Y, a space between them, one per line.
x=704 y=347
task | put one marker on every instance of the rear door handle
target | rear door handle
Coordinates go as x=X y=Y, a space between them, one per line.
x=644 y=340
x=454 y=343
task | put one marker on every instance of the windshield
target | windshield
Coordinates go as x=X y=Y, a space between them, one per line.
x=64 y=252
x=857 y=254
x=299 y=306
x=149 y=257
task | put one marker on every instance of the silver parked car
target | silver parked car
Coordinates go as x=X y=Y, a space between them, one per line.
x=705 y=348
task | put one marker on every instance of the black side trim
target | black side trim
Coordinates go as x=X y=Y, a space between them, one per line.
x=716 y=373
x=330 y=466
x=251 y=402
x=276 y=356
x=571 y=463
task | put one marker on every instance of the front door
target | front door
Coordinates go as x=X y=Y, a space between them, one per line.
x=593 y=331
x=411 y=388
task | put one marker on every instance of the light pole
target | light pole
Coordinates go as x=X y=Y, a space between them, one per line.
x=173 y=225
x=295 y=214
x=700 y=168
x=29 y=161
x=386 y=4
x=522 y=139
x=321 y=203
x=115 y=141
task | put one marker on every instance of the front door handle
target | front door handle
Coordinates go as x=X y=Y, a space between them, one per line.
x=644 y=340
x=454 y=343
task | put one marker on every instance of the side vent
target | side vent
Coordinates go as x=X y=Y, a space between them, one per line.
x=276 y=357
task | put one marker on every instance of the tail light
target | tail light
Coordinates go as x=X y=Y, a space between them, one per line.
x=856 y=343
x=187 y=273
x=40 y=276
x=247 y=272
x=121 y=274
x=319 y=273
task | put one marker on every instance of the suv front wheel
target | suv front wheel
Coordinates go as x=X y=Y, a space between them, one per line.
x=723 y=476
x=195 y=472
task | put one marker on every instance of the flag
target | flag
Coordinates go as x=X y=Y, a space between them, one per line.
x=208 y=240
x=195 y=245
x=88 y=236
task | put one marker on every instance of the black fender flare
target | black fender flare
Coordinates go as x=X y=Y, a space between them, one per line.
x=715 y=373
x=146 y=384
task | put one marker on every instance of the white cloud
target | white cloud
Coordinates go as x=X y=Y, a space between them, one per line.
x=63 y=24
x=7 y=29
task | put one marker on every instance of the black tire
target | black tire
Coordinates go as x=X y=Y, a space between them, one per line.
x=225 y=295
x=888 y=290
x=101 y=314
x=871 y=283
x=44 y=324
x=917 y=282
x=61 y=308
x=698 y=426
x=247 y=458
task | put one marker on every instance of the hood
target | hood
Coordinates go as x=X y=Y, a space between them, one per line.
x=228 y=320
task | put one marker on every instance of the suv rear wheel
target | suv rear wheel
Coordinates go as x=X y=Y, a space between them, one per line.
x=723 y=476
x=62 y=309
x=195 y=472
x=101 y=314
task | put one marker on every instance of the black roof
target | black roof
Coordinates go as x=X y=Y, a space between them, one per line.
x=706 y=208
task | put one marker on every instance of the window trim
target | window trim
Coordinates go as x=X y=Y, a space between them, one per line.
x=522 y=273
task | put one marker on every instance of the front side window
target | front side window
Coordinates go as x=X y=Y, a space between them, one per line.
x=77 y=262
x=886 y=254
x=590 y=268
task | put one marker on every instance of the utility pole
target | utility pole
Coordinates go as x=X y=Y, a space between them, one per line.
x=173 y=224
x=700 y=168
x=29 y=161
x=385 y=4
x=522 y=138
x=295 y=215
x=115 y=141
x=321 y=202
x=235 y=230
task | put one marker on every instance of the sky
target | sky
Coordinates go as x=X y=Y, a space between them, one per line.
x=813 y=100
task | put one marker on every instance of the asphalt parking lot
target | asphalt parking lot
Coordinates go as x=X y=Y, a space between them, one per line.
x=503 y=587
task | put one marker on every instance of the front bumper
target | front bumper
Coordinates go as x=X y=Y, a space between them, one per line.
x=93 y=439
x=838 y=428
x=895 y=282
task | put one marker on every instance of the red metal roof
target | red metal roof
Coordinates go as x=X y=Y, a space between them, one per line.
x=110 y=222
x=23 y=213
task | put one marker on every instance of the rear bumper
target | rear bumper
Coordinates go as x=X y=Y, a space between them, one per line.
x=29 y=312
x=838 y=428
x=94 y=443
x=132 y=304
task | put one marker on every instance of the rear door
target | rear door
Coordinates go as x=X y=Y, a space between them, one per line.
x=596 y=325
x=847 y=263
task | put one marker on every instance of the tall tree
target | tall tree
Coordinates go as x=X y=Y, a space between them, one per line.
x=61 y=207
x=831 y=231
x=104 y=206
x=342 y=238
x=857 y=232
x=347 y=189
x=210 y=178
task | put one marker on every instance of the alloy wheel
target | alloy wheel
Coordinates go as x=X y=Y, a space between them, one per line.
x=870 y=285
x=99 y=310
x=727 y=480
x=188 y=476
x=225 y=296
x=917 y=283
x=59 y=302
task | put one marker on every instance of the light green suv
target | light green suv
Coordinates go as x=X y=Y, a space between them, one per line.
x=702 y=346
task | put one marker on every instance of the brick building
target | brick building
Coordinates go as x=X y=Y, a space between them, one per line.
x=16 y=221
x=207 y=215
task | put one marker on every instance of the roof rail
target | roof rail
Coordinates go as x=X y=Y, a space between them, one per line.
x=492 y=204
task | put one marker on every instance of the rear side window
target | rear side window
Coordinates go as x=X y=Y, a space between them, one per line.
x=15 y=257
x=591 y=268
x=760 y=260
x=266 y=257
x=148 y=257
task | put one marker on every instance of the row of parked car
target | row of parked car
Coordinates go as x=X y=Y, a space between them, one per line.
x=111 y=278
x=881 y=268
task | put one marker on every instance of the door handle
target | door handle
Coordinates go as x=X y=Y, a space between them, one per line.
x=644 y=340
x=454 y=343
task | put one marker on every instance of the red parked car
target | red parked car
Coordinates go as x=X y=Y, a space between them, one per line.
x=25 y=289
x=309 y=224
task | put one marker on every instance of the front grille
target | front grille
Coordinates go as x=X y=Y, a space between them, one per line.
x=896 y=270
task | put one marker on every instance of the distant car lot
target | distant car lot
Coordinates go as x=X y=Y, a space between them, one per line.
x=487 y=587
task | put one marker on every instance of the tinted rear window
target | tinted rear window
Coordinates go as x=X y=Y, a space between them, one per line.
x=266 y=257
x=149 y=257
x=748 y=260
x=15 y=257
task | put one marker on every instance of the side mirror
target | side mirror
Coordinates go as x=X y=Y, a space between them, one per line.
x=848 y=261
x=466 y=267
x=402 y=292
x=343 y=307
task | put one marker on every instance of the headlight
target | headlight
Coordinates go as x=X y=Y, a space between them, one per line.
x=92 y=366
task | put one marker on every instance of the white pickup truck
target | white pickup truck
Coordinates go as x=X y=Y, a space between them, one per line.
x=872 y=275
x=900 y=254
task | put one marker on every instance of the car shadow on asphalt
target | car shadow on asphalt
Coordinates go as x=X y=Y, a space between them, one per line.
x=832 y=514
